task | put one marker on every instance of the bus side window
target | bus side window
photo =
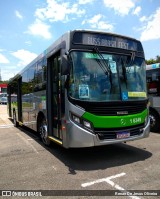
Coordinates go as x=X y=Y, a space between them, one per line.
x=24 y=83
x=31 y=80
x=44 y=67
x=39 y=72
x=40 y=75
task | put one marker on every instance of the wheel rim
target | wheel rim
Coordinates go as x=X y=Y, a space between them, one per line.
x=14 y=119
x=43 y=132
x=152 y=120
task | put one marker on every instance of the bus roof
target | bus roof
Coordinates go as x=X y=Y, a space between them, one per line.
x=59 y=42
x=153 y=66
x=104 y=32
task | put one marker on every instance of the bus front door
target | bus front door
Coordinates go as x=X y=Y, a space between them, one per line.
x=54 y=97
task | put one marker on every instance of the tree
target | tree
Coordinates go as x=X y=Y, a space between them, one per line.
x=4 y=82
x=158 y=59
x=153 y=61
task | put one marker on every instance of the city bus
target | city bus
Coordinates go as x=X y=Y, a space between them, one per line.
x=87 y=89
x=153 y=85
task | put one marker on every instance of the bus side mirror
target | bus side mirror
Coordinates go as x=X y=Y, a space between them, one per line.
x=66 y=85
x=64 y=65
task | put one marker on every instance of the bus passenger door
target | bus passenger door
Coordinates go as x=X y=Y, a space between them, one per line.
x=19 y=99
x=54 y=97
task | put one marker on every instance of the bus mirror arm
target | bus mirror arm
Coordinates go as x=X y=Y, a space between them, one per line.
x=65 y=65
x=67 y=81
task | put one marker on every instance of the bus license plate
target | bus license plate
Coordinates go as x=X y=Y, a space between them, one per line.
x=121 y=135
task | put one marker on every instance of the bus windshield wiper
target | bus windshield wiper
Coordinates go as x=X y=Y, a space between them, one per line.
x=125 y=63
x=104 y=65
x=131 y=59
x=124 y=71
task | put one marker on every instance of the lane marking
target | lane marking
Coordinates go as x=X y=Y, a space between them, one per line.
x=28 y=143
x=54 y=168
x=102 y=180
x=116 y=186
x=108 y=180
x=35 y=138
x=6 y=126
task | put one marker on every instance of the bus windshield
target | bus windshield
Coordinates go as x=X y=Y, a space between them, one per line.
x=106 y=77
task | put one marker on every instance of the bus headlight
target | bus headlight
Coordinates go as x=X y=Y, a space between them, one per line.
x=87 y=124
x=81 y=122
x=75 y=118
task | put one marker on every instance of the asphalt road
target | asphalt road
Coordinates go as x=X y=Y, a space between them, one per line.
x=26 y=164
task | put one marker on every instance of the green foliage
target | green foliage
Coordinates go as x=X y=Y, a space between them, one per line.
x=153 y=61
x=4 y=82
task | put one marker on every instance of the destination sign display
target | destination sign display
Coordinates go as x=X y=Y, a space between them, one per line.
x=107 y=40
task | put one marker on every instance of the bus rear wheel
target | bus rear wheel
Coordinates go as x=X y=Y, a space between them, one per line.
x=42 y=129
x=14 y=119
x=154 y=120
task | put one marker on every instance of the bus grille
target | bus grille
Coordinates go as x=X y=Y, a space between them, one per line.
x=112 y=133
x=113 y=110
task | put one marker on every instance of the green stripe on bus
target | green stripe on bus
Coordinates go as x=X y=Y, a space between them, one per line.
x=115 y=121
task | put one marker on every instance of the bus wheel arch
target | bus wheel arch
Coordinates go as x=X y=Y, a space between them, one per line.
x=154 y=119
x=42 y=128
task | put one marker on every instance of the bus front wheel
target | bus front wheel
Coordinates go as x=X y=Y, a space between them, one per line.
x=154 y=120
x=42 y=129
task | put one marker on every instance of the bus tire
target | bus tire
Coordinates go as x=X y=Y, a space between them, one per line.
x=15 y=120
x=42 y=130
x=154 y=120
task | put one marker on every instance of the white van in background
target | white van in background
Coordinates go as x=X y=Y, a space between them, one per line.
x=3 y=98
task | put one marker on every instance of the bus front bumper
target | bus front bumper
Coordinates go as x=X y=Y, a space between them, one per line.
x=78 y=137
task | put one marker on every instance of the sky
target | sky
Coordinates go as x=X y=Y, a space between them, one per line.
x=28 y=27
